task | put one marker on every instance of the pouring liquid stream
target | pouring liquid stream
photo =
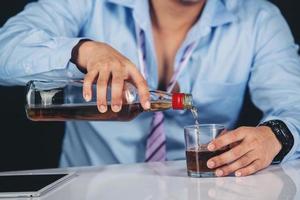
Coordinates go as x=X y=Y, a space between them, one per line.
x=195 y=114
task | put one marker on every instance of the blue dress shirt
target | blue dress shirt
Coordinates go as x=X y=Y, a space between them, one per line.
x=240 y=43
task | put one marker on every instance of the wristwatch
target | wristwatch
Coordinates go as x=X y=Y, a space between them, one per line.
x=284 y=135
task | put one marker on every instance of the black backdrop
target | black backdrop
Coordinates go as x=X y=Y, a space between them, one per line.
x=29 y=145
x=24 y=144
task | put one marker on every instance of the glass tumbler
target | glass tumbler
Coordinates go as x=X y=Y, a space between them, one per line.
x=197 y=138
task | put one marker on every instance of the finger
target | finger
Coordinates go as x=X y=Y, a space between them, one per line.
x=141 y=85
x=88 y=83
x=243 y=161
x=104 y=75
x=250 y=169
x=224 y=132
x=226 y=139
x=117 y=88
x=229 y=156
x=232 y=145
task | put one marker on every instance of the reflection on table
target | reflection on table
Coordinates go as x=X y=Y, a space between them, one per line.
x=159 y=181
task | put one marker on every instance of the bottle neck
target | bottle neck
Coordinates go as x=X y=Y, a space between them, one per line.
x=181 y=101
x=161 y=100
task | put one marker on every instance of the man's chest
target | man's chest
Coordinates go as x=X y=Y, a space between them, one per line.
x=220 y=56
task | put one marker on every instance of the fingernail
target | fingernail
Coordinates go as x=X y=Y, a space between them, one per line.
x=238 y=174
x=210 y=164
x=219 y=172
x=87 y=97
x=147 y=105
x=116 y=108
x=211 y=147
x=103 y=108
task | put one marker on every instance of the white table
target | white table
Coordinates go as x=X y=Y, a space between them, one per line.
x=159 y=181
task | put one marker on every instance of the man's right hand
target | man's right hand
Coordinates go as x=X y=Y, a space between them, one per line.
x=102 y=64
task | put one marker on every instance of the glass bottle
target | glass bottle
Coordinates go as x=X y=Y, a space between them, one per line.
x=62 y=100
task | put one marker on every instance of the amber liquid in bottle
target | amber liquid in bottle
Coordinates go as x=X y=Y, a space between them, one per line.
x=90 y=112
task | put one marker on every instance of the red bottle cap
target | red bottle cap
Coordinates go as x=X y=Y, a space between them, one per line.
x=178 y=101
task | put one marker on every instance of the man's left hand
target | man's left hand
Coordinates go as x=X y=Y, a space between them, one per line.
x=254 y=149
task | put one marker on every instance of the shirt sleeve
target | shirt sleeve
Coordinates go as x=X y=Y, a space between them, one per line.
x=275 y=75
x=37 y=43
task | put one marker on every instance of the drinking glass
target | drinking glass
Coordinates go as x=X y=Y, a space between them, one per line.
x=197 y=138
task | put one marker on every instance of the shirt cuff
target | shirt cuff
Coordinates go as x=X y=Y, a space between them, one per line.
x=73 y=72
x=64 y=56
x=58 y=57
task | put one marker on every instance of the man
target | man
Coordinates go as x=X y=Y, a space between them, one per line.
x=215 y=49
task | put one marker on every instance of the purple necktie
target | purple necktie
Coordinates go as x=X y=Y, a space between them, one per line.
x=156 y=140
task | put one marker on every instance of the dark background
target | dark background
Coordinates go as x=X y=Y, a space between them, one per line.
x=31 y=145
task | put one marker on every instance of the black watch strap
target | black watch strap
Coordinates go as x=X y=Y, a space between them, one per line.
x=284 y=135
